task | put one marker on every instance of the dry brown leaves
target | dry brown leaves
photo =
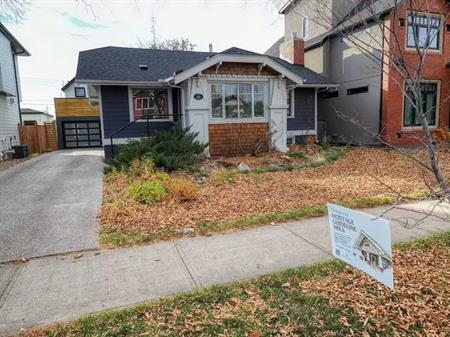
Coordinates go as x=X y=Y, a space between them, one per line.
x=358 y=175
x=419 y=305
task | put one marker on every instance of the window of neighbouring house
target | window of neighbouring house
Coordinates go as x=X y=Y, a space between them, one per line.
x=80 y=92
x=305 y=27
x=426 y=29
x=238 y=100
x=151 y=103
x=429 y=101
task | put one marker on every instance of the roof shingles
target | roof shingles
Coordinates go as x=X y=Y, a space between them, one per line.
x=118 y=64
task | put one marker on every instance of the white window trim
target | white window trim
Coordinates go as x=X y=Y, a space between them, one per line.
x=436 y=119
x=224 y=120
x=292 y=105
x=131 y=106
x=291 y=137
x=441 y=31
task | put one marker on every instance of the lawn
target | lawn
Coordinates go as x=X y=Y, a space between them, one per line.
x=328 y=299
x=278 y=188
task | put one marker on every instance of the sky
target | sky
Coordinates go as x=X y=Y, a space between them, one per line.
x=54 y=31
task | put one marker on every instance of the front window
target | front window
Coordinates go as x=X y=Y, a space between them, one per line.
x=150 y=103
x=429 y=98
x=290 y=104
x=237 y=100
x=425 y=30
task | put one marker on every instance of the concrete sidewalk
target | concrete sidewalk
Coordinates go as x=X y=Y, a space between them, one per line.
x=60 y=288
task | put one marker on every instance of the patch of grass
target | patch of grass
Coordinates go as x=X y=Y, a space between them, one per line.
x=294 y=214
x=113 y=238
x=271 y=305
x=147 y=192
x=110 y=238
x=222 y=177
x=295 y=154
x=329 y=155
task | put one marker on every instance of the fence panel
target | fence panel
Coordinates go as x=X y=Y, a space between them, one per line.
x=38 y=138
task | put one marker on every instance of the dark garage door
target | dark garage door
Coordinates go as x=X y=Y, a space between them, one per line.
x=82 y=134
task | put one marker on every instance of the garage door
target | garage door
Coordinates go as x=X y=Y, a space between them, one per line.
x=82 y=134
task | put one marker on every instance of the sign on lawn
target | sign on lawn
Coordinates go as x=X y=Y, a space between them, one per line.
x=362 y=241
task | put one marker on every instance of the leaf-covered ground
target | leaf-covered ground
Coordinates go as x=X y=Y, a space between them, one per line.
x=328 y=299
x=229 y=196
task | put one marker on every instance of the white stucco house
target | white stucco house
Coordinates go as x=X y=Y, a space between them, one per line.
x=10 y=97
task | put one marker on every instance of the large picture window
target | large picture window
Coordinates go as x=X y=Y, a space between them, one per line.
x=429 y=99
x=153 y=103
x=237 y=100
x=426 y=29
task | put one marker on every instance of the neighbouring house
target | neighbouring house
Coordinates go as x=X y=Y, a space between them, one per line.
x=372 y=253
x=365 y=93
x=238 y=101
x=35 y=117
x=10 y=95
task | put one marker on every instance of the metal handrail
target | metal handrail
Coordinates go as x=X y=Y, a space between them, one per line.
x=147 y=117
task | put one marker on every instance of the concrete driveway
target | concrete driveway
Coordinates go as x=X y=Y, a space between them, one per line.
x=49 y=204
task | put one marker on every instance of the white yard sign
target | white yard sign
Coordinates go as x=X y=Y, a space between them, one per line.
x=362 y=241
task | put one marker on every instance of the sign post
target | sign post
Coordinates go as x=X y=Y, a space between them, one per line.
x=362 y=241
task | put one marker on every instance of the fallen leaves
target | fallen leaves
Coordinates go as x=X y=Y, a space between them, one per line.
x=358 y=175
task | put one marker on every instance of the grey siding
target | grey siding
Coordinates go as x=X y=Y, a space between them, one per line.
x=116 y=114
x=304 y=115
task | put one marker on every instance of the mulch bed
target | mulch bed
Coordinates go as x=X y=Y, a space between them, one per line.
x=7 y=163
x=361 y=173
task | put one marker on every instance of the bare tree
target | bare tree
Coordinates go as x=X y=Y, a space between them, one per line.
x=384 y=48
x=168 y=44
x=13 y=10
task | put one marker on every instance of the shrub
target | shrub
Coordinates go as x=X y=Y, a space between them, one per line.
x=142 y=168
x=295 y=154
x=147 y=192
x=222 y=177
x=183 y=190
x=173 y=149
x=127 y=153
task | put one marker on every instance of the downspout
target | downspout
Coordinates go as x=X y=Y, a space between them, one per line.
x=17 y=83
x=380 y=112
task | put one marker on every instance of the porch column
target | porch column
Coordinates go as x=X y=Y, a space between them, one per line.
x=278 y=114
x=197 y=107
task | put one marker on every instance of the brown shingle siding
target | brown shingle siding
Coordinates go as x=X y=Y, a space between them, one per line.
x=237 y=138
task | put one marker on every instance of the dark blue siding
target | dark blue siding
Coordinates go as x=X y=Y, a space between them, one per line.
x=304 y=115
x=116 y=114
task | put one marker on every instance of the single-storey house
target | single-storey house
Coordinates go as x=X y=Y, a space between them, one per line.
x=238 y=101
x=372 y=253
x=35 y=117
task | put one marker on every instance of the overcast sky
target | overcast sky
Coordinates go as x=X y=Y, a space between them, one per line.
x=54 y=31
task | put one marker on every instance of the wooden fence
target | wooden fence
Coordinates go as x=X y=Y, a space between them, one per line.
x=39 y=138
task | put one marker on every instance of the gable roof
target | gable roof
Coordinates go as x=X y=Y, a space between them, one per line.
x=15 y=44
x=28 y=111
x=362 y=11
x=118 y=64
x=68 y=84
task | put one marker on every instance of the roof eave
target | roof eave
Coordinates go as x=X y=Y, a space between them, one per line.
x=19 y=49
x=286 y=5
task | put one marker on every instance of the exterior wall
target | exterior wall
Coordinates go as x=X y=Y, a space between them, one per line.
x=233 y=139
x=91 y=90
x=346 y=65
x=9 y=105
x=116 y=114
x=318 y=23
x=434 y=70
x=40 y=119
x=73 y=107
x=304 y=111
